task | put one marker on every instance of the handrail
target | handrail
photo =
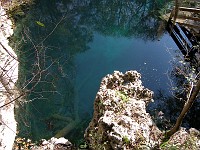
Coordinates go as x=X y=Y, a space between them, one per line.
x=189 y=18
x=196 y=10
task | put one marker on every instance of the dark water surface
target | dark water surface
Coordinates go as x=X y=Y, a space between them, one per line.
x=107 y=54
x=76 y=43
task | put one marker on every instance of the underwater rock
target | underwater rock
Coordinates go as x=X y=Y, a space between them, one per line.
x=120 y=120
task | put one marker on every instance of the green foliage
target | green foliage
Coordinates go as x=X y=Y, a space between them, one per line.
x=22 y=143
x=18 y=9
x=167 y=146
x=166 y=9
x=126 y=140
x=122 y=96
x=190 y=3
x=83 y=145
x=188 y=144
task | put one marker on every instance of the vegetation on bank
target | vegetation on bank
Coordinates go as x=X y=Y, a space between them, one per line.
x=17 y=9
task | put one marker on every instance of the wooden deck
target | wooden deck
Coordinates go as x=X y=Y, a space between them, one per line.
x=184 y=27
x=188 y=17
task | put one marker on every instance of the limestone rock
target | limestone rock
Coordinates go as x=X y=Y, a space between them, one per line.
x=120 y=120
x=54 y=144
x=8 y=78
x=183 y=139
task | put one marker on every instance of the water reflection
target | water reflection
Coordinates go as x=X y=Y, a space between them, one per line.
x=182 y=77
x=51 y=37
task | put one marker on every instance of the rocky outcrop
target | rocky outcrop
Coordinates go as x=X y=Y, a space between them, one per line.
x=120 y=120
x=8 y=77
x=183 y=140
x=54 y=144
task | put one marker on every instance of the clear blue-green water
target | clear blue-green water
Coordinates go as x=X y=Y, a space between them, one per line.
x=67 y=47
x=107 y=54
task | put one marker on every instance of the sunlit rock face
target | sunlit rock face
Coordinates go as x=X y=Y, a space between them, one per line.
x=54 y=144
x=120 y=120
x=8 y=78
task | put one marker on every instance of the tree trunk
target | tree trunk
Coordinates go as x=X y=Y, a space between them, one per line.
x=185 y=109
x=176 y=9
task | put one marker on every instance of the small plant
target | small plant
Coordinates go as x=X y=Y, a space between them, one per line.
x=167 y=146
x=126 y=140
x=122 y=96
x=22 y=143
x=83 y=145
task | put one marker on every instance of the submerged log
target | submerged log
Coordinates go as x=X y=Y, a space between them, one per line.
x=67 y=129
x=59 y=117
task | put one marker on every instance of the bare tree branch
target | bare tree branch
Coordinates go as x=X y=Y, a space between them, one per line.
x=186 y=108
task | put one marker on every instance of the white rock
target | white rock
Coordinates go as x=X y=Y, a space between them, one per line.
x=123 y=121
x=9 y=75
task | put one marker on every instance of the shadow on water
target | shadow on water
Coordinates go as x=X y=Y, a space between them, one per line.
x=167 y=108
x=52 y=45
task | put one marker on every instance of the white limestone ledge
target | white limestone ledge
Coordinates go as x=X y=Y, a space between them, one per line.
x=8 y=78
